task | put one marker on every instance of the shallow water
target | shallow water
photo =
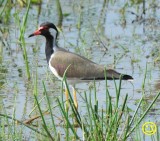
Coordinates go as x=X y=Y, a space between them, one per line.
x=131 y=45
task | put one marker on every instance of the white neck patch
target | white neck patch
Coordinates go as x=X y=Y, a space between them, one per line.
x=53 y=33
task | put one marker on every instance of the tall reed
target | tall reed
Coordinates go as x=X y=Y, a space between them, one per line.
x=22 y=39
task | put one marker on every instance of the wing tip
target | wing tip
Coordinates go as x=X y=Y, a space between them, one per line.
x=127 y=77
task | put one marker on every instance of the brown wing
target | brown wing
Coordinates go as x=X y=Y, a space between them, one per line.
x=79 y=67
x=82 y=68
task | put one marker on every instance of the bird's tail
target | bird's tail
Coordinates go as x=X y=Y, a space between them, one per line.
x=112 y=74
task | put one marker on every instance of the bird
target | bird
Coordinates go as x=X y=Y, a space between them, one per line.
x=76 y=68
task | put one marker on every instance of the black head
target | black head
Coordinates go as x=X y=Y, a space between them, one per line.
x=44 y=30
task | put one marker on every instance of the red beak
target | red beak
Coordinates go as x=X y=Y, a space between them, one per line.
x=37 y=32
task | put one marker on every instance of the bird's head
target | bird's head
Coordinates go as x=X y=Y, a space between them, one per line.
x=45 y=29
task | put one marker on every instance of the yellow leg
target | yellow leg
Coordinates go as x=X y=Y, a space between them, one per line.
x=75 y=98
x=67 y=102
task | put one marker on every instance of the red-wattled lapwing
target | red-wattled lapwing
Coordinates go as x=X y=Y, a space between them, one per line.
x=78 y=68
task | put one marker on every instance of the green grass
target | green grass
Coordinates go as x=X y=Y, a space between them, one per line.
x=5 y=15
x=60 y=14
x=114 y=122
x=22 y=40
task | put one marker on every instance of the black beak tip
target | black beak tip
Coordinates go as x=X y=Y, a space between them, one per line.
x=31 y=35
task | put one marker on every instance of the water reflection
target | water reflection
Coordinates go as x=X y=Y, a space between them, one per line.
x=157 y=86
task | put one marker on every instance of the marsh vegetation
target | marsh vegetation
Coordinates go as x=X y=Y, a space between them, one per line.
x=123 y=35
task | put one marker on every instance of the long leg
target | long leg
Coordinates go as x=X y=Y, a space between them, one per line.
x=67 y=97
x=75 y=97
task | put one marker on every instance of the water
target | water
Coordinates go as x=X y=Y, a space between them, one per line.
x=131 y=45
